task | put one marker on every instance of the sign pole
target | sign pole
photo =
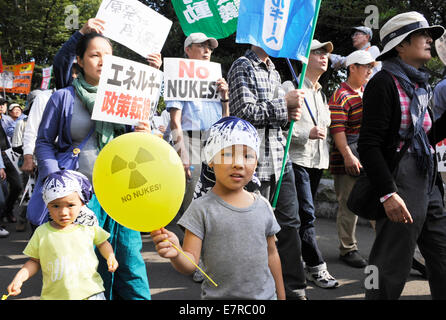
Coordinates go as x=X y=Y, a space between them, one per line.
x=302 y=77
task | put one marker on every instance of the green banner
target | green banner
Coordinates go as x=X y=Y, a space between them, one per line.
x=215 y=18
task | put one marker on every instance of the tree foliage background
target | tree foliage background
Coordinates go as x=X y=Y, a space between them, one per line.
x=36 y=29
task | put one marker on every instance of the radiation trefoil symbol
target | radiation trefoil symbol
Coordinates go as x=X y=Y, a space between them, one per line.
x=136 y=178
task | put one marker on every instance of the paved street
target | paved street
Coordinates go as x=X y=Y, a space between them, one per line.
x=167 y=284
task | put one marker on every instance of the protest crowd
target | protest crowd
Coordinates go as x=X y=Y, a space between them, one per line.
x=254 y=148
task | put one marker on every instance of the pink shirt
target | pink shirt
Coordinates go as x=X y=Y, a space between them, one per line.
x=406 y=121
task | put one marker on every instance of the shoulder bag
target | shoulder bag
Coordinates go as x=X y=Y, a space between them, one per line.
x=364 y=200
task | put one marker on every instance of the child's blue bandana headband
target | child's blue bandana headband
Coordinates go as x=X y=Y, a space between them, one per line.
x=62 y=183
x=229 y=131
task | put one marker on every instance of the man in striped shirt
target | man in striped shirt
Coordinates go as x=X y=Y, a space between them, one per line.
x=346 y=113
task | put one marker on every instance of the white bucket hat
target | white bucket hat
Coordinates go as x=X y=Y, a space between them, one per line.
x=440 y=45
x=400 y=26
x=360 y=57
x=199 y=37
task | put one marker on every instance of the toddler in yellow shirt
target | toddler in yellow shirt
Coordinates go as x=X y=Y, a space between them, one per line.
x=64 y=250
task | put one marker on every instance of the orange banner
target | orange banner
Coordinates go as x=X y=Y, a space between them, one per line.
x=23 y=74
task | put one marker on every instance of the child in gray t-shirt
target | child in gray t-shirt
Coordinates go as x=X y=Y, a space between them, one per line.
x=230 y=227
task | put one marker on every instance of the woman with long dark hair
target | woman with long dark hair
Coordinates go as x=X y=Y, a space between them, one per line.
x=67 y=117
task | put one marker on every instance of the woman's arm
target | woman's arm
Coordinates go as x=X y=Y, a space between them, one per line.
x=64 y=58
x=63 y=61
x=48 y=131
x=380 y=109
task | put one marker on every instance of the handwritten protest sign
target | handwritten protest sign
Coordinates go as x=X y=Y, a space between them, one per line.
x=190 y=80
x=134 y=25
x=128 y=91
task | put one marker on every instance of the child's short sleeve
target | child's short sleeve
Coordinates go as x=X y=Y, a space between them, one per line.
x=272 y=224
x=32 y=248
x=100 y=235
x=193 y=220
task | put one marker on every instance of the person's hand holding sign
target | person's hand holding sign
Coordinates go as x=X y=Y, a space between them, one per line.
x=223 y=88
x=143 y=126
x=93 y=25
x=155 y=60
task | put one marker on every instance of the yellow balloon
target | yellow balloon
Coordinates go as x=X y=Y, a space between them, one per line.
x=139 y=181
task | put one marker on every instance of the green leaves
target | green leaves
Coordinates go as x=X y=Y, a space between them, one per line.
x=38 y=28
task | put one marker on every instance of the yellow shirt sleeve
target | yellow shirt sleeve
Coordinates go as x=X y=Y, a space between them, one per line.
x=32 y=248
x=100 y=235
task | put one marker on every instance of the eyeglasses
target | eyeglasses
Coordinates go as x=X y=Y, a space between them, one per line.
x=320 y=52
x=204 y=45
x=368 y=66
x=357 y=33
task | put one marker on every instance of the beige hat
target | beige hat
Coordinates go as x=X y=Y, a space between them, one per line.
x=315 y=44
x=440 y=45
x=360 y=57
x=400 y=26
x=199 y=37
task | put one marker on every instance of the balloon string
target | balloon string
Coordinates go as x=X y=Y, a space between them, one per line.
x=201 y=270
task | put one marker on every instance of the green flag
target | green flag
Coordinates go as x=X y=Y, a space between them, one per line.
x=215 y=18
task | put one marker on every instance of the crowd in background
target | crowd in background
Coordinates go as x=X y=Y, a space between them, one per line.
x=385 y=103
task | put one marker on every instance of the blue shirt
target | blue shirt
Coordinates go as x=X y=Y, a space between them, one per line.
x=12 y=123
x=440 y=99
x=196 y=115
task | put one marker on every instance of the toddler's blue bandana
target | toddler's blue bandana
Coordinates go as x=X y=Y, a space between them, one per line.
x=62 y=183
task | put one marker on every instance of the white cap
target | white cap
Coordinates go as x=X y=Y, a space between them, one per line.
x=315 y=44
x=14 y=105
x=365 y=30
x=199 y=37
x=360 y=57
x=394 y=31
